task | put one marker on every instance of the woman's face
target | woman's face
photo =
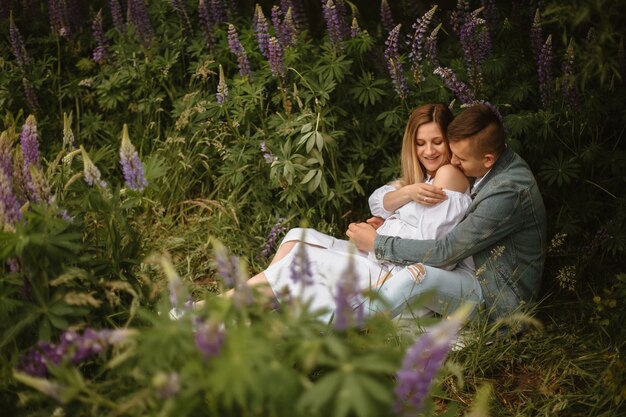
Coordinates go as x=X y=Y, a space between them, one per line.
x=430 y=145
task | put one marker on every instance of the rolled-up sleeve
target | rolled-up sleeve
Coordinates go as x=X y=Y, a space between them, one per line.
x=376 y=201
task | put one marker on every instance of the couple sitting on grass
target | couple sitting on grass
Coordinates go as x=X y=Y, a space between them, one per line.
x=465 y=223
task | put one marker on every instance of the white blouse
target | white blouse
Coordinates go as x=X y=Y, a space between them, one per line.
x=417 y=221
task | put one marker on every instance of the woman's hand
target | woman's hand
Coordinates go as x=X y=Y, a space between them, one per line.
x=375 y=222
x=426 y=194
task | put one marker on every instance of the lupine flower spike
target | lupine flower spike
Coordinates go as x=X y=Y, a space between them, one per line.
x=460 y=90
x=422 y=362
x=333 y=23
x=210 y=337
x=536 y=36
x=386 y=17
x=17 y=45
x=349 y=307
x=206 y=22
x=68 y=134
x=222 y=88
x=570 y=93
x=59 y=18
x=236 y=48
x=99 y=51
x=72 y=346
x=261 y=30
x=277 y=64
x=131 y=165
x=272 y=237
x=117 y=16
x=419 y=42
x=138 y=16
x=393 y=63
x=90 y=171
x=544 y=71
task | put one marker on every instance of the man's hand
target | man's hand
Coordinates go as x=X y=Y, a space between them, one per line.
x=375 y=222
x=362 y=235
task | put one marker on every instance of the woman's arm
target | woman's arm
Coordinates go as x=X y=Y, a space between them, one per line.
x=422 y=193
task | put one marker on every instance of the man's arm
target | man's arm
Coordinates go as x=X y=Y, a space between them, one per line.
x=494 y=218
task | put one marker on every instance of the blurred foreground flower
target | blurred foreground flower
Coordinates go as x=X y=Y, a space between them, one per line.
x=73 y=347
x=422 y=361
x=131 y=165
x=209 y=337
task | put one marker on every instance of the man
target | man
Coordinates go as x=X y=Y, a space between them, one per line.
x=504 y=229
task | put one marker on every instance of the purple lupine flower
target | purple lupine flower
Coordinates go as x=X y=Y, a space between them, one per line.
x=459 y=16
x=544 y=70
x=237 y=49
x=418 y=43
x=536 y=36
x=59 y=18
x=272 y=237
x=277 y=65
x=393 y=63
x=72 y=346
x=460 y=90
x=29 y=142
x=297 y=13
x=267 y=154
x=355 y=29
x=217 y=11
x=222 y=88
x=423 y=360
x=131 y=165
x=31 y=95
x=117 y=16
x=17 y=46
x=99 y=52
x=91 y=173
x=349 y=307
x=227 y=266
x=476 y=42
x=210 y=337
x=300 y=269
x=570 y=93
x=9 y=205
x=386 y=17
x=334 y=24
x=261 y=30
x=430 y=47
x=138 y=16
x=288 y=29
x=206 y=22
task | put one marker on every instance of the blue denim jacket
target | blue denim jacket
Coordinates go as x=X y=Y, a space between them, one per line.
x=504 y=229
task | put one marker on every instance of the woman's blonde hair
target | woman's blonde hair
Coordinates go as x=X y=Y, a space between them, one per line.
x=412 y=170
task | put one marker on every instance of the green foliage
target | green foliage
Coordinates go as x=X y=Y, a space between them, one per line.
x=331 y=130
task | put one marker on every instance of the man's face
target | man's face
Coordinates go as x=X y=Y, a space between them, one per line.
x=464 y=158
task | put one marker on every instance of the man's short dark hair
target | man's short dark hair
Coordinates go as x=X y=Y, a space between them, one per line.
x=481 y=125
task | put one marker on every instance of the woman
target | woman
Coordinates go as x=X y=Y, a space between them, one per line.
x=427 y=201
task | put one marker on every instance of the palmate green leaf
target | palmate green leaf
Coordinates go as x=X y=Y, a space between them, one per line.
x=559 y=170
x=367 y=90
x=320 y=395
